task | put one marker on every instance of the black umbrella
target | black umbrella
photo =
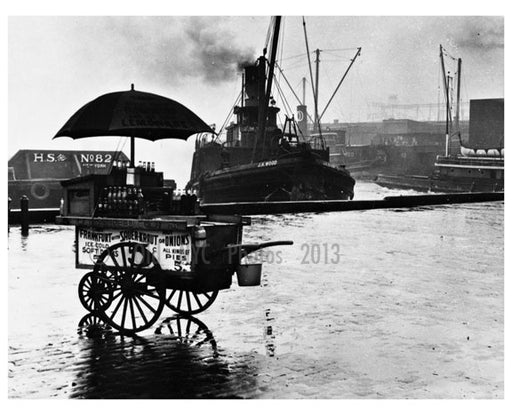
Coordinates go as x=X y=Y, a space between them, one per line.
x=133 y=114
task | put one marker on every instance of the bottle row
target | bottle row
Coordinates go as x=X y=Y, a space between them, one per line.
x=122 y=192
x=121 y=201
x=148 y=166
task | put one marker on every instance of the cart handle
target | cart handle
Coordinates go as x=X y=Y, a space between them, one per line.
x=246 y=249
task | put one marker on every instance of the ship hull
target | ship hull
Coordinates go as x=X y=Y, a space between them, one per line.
x=43 y=196
x=453 y=174
x=369 y=161
x=302 y=177
x=442 y=185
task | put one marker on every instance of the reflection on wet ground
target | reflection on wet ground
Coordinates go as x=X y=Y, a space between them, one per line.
x=372 y=304
x=180 y=360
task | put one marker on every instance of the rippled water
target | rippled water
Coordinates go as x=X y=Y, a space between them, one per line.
x=381 y=303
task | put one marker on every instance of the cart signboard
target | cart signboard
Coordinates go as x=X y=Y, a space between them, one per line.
x=172 y=249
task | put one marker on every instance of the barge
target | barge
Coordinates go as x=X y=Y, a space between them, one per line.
x=37 y=174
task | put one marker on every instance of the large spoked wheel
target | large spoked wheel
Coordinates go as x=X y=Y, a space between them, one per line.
x=138 y=297
x=95 y=292
x=189 y=302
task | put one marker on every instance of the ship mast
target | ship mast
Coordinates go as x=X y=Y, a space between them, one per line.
x=303 y=91
x=447 y=95
x=315 y=85
x=446 y=83
x=457 y=108
x=341 y=81
x=263 y=101
x=310 y=72
x=317 y=75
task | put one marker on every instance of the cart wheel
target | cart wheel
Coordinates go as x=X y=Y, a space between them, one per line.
x=189 y=302
x=138 y=297
x=92 y=319
x=92 y=324
x=95 y=292
x=187 y=330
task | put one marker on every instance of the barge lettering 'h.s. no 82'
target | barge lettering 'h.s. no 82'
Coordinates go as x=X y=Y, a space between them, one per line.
x=37 y=174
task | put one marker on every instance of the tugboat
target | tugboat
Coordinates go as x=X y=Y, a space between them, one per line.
x=259 y=161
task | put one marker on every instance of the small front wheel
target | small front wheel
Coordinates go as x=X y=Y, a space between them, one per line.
x=94 y=292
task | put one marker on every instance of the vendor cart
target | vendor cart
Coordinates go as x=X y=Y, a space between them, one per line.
x=139 y=266
x=145 y=247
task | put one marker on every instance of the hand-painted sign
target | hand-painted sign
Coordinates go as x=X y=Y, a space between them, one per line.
x=83 y=157
x=49 y=157
x=172 y=249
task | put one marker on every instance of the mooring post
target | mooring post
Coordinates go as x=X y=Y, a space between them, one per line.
x=9 y=200
x=24 y=215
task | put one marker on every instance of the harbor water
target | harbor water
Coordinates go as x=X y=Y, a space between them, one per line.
x=405 y=303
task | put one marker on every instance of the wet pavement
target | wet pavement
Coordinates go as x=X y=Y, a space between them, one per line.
x=403 y=303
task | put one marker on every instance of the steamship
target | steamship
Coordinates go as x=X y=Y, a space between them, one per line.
x=260 y=161
x=474 y=166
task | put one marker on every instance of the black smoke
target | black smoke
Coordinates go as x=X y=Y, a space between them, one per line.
x=214 y=51
x=176 y=50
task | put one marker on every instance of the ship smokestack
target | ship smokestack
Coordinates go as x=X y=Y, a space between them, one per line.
x=251 y=84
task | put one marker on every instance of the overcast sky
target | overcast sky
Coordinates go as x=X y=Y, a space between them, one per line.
x=57 y=64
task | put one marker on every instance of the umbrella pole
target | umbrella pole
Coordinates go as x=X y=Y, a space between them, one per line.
x=132 y=151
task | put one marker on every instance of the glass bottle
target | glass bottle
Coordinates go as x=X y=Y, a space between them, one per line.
x=140 y=201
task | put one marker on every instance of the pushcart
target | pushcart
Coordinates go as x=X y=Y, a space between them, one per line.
x=137 y=267
x=140 y=257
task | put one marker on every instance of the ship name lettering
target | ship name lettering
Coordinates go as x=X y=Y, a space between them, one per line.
x=267 y=163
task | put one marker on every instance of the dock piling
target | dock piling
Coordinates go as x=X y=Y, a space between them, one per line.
x=9 y=200
x=24 y=215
